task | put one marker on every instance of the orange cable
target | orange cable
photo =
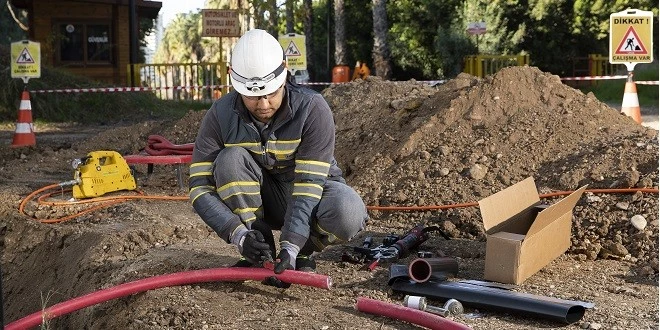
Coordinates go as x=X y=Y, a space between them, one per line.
x=119 y=199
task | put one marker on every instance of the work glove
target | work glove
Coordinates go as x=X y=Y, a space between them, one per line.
x=253 y=247
x=284 y=261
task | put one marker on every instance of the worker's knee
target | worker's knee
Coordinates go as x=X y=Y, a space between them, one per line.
x=342 y=212
x=234 y=163
x=231 y=156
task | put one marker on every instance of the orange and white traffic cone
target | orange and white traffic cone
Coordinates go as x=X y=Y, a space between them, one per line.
x=630 y=104
x=24 y=135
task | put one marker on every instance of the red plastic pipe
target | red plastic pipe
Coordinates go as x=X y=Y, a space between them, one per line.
x=183 y=278
x=407 y=314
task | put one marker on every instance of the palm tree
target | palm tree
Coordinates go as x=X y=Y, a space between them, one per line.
x=381 y=50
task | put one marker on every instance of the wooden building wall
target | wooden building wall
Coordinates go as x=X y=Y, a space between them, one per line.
x=46 y=14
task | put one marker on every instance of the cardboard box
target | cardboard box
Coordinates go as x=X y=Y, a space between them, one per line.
x=523 y=235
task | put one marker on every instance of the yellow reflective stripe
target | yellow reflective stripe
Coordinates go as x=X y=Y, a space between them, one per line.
x=249 y=219
x=306 y=194
x=238 y=183
x=280 y=147
x=313 y=162
x=312 y=167
x=312 y=173
x=331 y=236
x=199 y=191
x=309 y=187
x=240 y=193
x=253 y=147
x=233 y=189
x=201 y=169
x=243 y=144
x=245 y=210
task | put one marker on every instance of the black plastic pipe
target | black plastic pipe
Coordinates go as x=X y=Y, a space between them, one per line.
x=477 y=296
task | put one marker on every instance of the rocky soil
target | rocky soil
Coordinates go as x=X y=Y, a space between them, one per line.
x=401 y=144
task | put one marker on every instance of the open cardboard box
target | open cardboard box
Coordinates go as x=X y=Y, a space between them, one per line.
x=523 y=235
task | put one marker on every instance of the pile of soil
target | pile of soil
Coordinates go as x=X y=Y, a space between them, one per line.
x=400 y=144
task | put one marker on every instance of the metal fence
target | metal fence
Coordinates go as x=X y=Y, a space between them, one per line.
x=483 y=65
x=182 y=81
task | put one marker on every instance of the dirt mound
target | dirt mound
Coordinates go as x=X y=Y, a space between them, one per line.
x=400 y=144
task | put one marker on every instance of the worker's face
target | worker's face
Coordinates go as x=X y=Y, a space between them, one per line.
x=264 y=107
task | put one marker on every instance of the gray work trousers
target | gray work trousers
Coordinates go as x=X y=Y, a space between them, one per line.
x=338 y=217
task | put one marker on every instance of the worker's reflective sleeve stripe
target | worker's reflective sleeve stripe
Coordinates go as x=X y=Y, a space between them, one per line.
x=313 y=168
x=195 y=192
x=201 y=169
x=307 y=189
x=282 y=147
x=253 y=147
x=246 y=214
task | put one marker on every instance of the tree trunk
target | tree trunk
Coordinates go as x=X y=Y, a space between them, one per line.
x=309 y=33
x=273 y=18
x=340 y=35
x=288 y=5
x=381 y=50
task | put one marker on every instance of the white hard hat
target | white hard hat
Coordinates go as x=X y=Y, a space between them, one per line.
x=257 y=64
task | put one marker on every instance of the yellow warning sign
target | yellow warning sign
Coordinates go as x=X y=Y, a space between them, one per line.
x=25 y=59
x=631 y=37
x=295 y=51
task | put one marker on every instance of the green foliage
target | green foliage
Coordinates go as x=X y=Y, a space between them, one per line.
x=451 y=48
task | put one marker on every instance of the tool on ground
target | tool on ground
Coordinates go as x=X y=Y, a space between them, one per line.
x=100 y=172
x=451 y=307
x=393 y=247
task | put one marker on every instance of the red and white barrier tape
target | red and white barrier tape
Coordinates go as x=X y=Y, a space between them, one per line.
x=149 y=89
x=647 y=82
x=595 y=77
x=123 y=89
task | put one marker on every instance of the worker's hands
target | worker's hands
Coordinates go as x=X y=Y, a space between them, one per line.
x=254 y=248
x=283 y=262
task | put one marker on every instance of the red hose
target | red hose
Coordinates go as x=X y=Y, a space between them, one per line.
x=407 y=314
x=183 y=278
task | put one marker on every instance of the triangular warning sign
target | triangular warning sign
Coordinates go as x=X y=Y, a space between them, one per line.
x=292 y=50
x=631 y=44
x=24 y=57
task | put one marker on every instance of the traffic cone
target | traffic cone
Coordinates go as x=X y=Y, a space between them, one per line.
x=630 y=104
x=24 y=135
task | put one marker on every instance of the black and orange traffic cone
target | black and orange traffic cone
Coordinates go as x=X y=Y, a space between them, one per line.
x=24 y=134
x=630 y=104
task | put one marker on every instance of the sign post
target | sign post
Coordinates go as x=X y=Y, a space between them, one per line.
x=221 y=23
x=475 y=29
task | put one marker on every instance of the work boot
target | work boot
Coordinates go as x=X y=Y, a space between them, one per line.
x=305 y=264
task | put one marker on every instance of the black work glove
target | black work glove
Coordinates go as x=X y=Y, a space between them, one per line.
x=254 y=247
x=283 y=262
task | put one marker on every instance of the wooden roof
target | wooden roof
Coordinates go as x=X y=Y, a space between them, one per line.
x=147 y=9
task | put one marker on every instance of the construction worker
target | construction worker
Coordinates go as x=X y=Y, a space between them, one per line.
x=264 y=160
